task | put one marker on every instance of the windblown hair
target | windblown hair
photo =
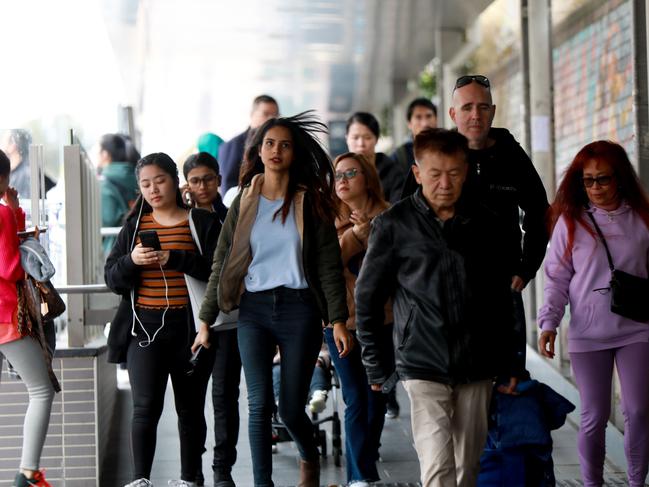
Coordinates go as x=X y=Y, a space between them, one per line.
x=167 y=164
x=571 y=197
x=310 y=169
x=372 y=180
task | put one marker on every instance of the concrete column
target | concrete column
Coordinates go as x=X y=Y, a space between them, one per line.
x=540 y=120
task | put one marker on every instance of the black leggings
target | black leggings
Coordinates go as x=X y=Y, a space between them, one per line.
x=149 y=368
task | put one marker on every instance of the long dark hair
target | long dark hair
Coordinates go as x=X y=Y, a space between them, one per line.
x=571 y=198
x=164 y=162
x=311 y=168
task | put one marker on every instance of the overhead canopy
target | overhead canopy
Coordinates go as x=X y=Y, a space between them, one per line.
x=205 y=60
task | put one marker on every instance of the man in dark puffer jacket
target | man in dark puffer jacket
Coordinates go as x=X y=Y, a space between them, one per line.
x=446 y=267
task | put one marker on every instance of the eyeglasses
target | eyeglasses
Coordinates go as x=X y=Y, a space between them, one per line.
x=206 y=180
x=601 y=180
x=468 y=79
x=349 y=174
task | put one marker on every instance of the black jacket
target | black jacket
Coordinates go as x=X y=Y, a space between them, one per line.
x=503 y=178
x=392 y=177
x=404 y=156
x=453 y=320
x=122 y=274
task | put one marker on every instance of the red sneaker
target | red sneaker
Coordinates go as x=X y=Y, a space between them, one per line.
x=38 y=480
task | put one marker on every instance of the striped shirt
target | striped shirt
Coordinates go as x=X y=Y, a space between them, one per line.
x=151 y=290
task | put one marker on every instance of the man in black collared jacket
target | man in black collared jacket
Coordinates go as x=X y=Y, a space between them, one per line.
x=447 y=269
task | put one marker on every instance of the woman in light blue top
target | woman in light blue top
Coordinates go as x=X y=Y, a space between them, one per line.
x=278 y=259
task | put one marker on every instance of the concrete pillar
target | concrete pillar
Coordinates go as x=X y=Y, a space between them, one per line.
x=541 y=118
x=536 y=15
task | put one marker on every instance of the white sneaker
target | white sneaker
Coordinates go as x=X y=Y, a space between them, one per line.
x=140 y=483
x=318 y=402
x=359 y=483
x=181 y=483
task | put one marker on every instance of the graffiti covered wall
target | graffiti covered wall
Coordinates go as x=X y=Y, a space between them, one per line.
x=593 y=84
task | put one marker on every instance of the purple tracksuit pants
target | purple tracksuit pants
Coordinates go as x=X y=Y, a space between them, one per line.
x=593 y=373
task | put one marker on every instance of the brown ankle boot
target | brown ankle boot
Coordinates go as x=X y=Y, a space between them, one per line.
x=309 y=473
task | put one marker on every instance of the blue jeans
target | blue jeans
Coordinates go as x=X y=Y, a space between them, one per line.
x=290 y=319
x=364 y=412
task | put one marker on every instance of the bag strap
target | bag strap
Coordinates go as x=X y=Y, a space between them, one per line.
x=601 y=236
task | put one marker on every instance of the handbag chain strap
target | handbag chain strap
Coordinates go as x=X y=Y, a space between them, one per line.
x=601 y=236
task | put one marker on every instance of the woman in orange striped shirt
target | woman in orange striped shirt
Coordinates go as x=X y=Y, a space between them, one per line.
x=154 y=330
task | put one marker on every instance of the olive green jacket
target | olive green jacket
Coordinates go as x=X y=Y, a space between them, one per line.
x=320 y=258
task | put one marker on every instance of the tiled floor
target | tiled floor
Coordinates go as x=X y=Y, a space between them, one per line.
x=398 y=466
x=398 y=462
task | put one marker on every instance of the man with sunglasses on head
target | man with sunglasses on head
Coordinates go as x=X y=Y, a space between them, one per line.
x=502 y=177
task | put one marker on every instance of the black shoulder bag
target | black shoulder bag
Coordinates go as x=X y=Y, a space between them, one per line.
x=629 y=293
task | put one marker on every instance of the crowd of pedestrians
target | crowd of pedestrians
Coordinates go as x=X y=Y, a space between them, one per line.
x=409 y=268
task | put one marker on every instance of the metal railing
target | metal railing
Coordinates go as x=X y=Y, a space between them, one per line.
x=83 y=249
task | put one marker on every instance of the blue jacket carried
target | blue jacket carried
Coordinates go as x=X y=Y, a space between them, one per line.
x=518 y=451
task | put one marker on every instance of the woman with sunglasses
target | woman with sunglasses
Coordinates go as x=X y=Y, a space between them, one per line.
x=600 y=184
x=154 y=330
x=361 y=199
x=278 y=260
x=362 y=134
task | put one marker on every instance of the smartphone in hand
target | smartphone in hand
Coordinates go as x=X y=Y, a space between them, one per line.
x=189 y=199
x=149 y=238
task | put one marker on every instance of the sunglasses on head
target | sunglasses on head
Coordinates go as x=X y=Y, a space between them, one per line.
x=349 y=174
x=601 y=180
x=470 y=78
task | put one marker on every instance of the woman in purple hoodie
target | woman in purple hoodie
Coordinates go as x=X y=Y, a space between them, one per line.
x=602 y=182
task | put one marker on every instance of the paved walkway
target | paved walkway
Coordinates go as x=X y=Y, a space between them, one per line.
x=398 y=466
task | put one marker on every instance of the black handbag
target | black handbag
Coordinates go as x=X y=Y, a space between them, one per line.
x=629 y=293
